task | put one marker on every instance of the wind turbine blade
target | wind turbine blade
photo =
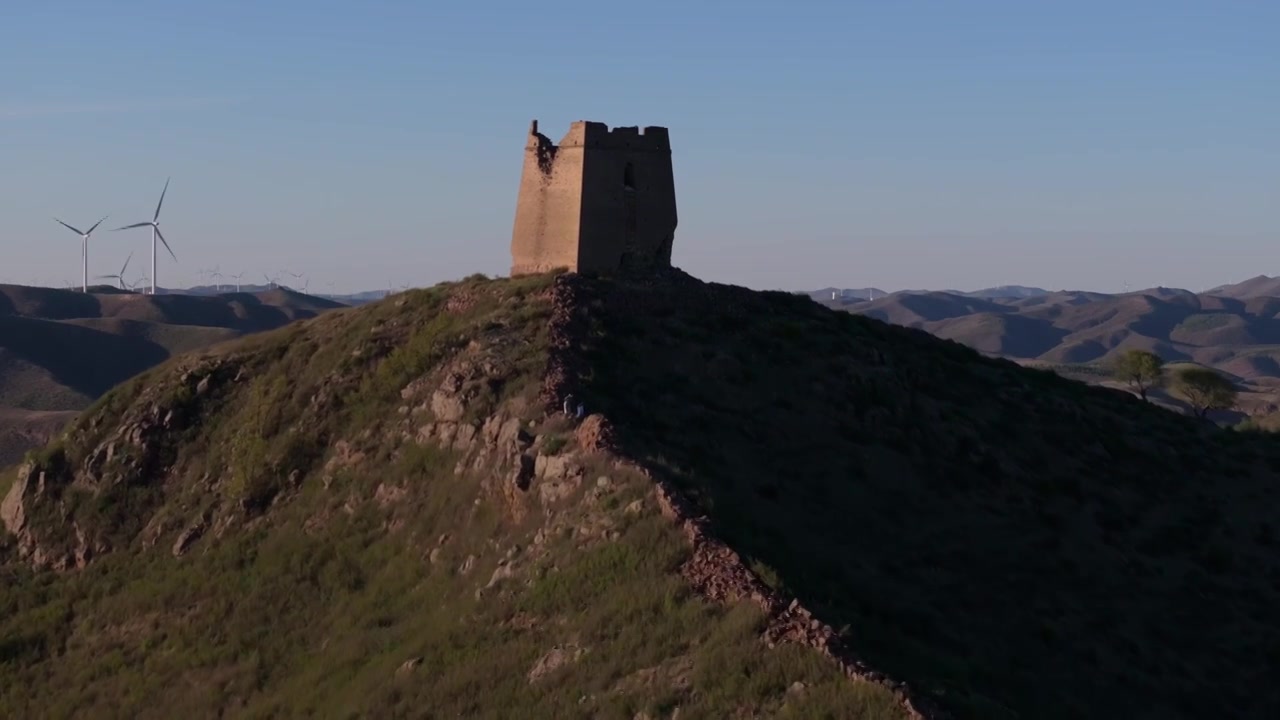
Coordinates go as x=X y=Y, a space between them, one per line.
x=166 y=245
x=67 y=226
x=162 y=192
x=126 y=264
x=135 y=225
x=95 y=225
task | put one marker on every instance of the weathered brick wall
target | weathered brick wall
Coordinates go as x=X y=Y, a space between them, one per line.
x=599 y=200
x=549 y=206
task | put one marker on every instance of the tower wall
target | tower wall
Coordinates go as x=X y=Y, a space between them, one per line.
x=600 y=201
x=621 y=227
x=549 y=206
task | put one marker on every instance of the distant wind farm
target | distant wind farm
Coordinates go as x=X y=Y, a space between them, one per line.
x=210 y=278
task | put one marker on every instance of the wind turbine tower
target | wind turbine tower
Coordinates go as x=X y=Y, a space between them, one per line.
x=84 y=249
x=119 y=277
x=155 y=233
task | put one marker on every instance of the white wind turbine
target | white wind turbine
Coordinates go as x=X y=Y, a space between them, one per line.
x=155 y=233
x=272 y=282
x=84 y=248
x=237 y=276
x=120 y=276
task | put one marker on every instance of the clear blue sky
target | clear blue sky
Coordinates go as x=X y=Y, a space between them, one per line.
x=899 y=144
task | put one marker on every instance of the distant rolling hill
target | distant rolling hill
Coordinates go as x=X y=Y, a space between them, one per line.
x=356 y=298
x=848 y=295
x=60 y=349
x=1233 y=328
x=1255 y=287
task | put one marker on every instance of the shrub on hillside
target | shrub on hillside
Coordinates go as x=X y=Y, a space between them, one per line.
x=1204 y=390
x=1142 y=370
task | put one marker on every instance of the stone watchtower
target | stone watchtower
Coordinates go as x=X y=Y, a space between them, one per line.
x=602 y=200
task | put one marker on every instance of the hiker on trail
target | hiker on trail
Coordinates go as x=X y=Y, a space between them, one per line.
x=568 y=405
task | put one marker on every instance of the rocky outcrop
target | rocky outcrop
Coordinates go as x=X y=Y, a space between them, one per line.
x=28 y=493
x=109 y=460
x=190 y=534
x=555 y=659
x=13 y=510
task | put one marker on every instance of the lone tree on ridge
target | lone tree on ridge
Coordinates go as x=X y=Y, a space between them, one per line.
x=1140 y=369
x=1205 y=390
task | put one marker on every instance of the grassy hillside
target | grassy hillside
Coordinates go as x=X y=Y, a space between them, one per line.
x=60 y=349
x=371 y=514
x=1017 y=544
x=379 y=512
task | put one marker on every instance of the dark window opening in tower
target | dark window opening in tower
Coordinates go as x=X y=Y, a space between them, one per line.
x=629 y=177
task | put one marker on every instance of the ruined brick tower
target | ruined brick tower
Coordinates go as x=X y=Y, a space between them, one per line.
x=600 y=201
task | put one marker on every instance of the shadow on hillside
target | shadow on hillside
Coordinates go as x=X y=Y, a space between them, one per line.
x=930 y=307
x=83 y=359
x=1014 y=543
x=245 y=312
x=1161 y=320
x=1008 y=334
x=50 y=303
x=241 y=311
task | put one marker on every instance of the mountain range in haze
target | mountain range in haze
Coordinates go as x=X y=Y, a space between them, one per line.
x=855 y=294
x=1259 y=286
x=356 y=298
x=1234 y=329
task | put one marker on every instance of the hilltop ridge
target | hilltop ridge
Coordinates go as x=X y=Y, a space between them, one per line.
x=765 y=499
